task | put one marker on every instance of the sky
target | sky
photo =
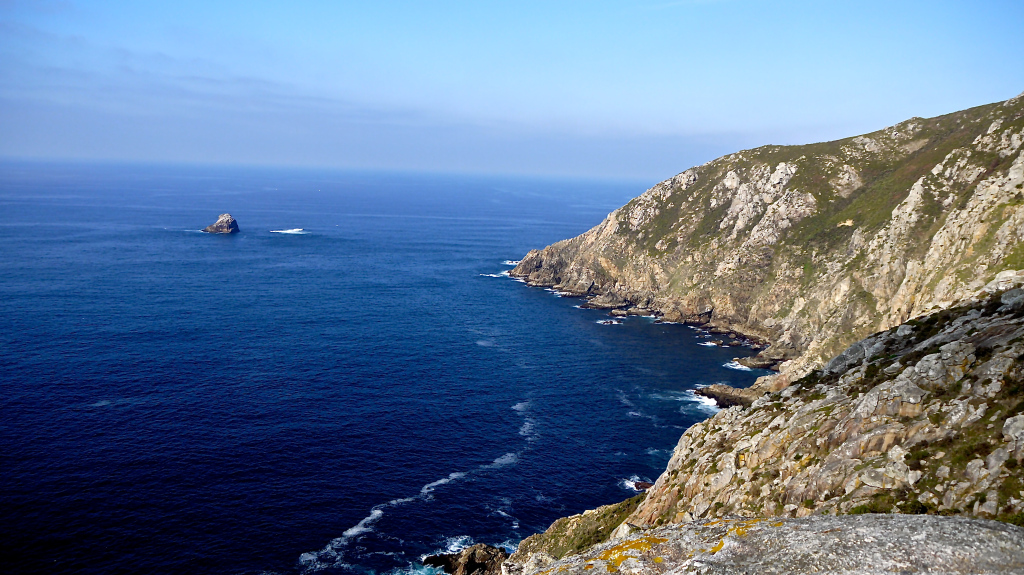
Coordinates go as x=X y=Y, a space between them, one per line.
x=604 y=89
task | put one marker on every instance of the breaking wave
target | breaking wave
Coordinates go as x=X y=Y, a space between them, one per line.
x=737 y=366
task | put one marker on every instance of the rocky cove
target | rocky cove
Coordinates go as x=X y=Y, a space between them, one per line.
x=880 y=275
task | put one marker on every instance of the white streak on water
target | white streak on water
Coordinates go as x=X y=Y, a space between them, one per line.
x=737 y=366
x=294 y=231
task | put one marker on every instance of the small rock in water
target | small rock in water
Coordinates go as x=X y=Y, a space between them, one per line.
x=642 y=485
x=479 y=559
x=225 y=224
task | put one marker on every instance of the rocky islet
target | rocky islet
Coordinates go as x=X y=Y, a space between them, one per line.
x=225 y=224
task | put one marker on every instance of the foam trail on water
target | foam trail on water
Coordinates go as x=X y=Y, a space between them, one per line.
x=503 y=274
x=428 y=488
x=709 y=344
x=511 y=262
x=333 y=554
x=737 y=366
x=294 y=231
x=510 y=458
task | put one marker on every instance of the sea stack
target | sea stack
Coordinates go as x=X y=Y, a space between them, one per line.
x=225 y=224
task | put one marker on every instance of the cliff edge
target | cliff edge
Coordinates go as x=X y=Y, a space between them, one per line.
x=814 y=247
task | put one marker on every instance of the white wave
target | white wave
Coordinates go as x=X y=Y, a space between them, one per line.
x=416 y=569
x=511 y=262
x=485 y=342
x=705 y=404
x=529 y=430
x=364 y=526
x=631 y=482
x=655 y=451
x=457 y=543
x=503 y=461
x=737 y=366
x=609 y=322
x=521 y=406
x=503 y=274
x=708 y=344
x=635 y=414
x=101 y=403
x=331 y=555
x=295 y=232
x=428 y=488
x=510 y=545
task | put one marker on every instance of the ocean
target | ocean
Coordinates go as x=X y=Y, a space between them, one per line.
x=348 y=384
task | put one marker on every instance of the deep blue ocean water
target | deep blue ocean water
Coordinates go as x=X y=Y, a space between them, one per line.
x=341 y=400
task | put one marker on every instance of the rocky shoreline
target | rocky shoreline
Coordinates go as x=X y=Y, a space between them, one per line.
x=910 y=444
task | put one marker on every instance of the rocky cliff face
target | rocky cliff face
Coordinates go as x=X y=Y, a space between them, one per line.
x=225 y=224
x=926 y=418
x=814 y=247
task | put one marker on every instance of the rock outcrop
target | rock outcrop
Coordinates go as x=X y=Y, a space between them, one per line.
x=225 y=224
x=478 y=559
x=926 y=418
x=863 y=544
x=814 y=247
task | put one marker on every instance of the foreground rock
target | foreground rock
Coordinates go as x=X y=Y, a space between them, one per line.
x=479 y=559
x=814 y=247
x=860 y=544
x=225 y=224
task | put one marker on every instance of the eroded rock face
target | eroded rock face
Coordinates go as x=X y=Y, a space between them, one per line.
x=857 y=544
x=924 y=418
x=225 y=224
x=478 y=559
x=814 y=247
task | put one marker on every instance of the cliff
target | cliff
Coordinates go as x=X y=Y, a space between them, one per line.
x=814 y=247
x=924 y=419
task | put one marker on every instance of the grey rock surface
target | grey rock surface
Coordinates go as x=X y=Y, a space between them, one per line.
x=225 y=224
x=852 y=544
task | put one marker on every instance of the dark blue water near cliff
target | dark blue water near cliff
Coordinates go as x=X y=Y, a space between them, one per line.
x=343 y=399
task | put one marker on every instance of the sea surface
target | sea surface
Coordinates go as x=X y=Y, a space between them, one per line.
x=348 y=384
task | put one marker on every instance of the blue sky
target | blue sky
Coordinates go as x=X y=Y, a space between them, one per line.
x=618 y=89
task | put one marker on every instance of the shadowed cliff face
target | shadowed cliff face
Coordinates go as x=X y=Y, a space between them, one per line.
x=814 y=247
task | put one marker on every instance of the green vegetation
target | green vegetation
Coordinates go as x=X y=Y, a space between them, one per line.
x=570 y=535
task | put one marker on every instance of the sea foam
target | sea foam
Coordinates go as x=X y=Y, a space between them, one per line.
x=737 y=366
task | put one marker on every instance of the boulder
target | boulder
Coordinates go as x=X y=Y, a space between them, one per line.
x=478 y=559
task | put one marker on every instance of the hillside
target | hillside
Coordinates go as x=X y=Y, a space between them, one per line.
x=810 y=248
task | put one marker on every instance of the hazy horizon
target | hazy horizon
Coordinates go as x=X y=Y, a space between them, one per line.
x=634 y=91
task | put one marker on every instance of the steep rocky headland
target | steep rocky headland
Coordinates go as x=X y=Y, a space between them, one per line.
x=814 y=247
x=882 y=272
